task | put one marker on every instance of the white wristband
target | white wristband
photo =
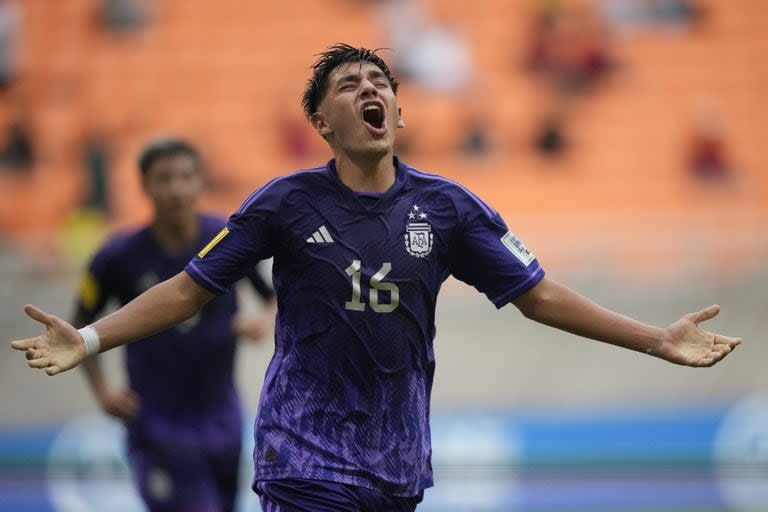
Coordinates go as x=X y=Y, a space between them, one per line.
x=90 y=340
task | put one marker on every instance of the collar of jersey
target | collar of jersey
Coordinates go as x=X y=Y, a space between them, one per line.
x=401 y=178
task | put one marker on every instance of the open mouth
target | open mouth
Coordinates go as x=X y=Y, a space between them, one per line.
x=373 y=116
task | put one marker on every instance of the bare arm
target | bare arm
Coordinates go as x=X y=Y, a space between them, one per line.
x=61 y=347
x=91 y=366
x=162 y=306
x=683 y=342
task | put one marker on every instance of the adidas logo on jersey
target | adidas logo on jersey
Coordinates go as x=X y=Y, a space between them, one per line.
x=321 y=236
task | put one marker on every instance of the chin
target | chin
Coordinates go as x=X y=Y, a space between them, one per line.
x=179 y=217
x=378 y=147
x=373 y=152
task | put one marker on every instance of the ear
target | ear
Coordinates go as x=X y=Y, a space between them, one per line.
x=318 y=123
x=400 y=122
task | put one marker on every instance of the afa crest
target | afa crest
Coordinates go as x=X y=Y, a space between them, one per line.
x=418 y=235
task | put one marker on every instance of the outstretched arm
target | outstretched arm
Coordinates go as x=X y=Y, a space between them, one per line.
x=683 y=342
x=61 y=347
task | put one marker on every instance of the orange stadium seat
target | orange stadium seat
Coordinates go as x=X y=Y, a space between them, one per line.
x=215 y=71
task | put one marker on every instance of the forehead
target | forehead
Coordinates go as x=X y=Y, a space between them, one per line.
x=352 y=70
x=179 y=162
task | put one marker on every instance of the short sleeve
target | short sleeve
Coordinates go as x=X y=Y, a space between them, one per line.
x=248 y=237
x=96 y=286
x=486 y=255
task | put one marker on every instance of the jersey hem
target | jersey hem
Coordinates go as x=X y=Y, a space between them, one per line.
x=389 y=489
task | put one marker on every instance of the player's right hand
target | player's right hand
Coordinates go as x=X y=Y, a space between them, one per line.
x=123 y=405
x=58 y=349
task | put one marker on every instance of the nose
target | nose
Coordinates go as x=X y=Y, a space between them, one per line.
x=368 y=89
x=179 y=187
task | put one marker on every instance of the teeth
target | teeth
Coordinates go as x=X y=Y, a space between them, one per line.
x=371 y=107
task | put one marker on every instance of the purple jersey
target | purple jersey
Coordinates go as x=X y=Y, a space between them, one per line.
x=184 y=375
x=346 y=395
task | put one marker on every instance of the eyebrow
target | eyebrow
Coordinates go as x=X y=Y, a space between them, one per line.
x=374 y=74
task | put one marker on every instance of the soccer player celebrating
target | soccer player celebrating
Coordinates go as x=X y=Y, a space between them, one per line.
x=182 y=411
x=361 y=246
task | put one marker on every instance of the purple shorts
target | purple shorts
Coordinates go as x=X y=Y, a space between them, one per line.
x=319 y=496
x=173 y=479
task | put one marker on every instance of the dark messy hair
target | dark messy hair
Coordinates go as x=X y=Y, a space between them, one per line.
x=329 y=60
x=164 y=148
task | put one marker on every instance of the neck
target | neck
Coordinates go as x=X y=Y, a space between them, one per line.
x=366 y=174
x=176 y=235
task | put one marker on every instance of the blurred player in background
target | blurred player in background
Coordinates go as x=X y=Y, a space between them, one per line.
x=361 y=247
x=181 y=408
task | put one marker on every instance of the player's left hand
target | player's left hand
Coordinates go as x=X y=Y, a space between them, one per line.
x=254 y=329
x=685 y=343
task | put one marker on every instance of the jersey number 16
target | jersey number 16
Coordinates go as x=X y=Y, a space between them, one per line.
x=356 y=304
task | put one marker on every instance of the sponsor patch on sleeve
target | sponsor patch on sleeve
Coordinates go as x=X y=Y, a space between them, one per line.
x=517 y=248
x=224 y=232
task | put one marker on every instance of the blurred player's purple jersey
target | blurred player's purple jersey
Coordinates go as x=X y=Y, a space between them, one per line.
x=346 y=395
x=184 y=375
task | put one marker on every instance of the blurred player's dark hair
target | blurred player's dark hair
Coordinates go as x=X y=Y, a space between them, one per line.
x=329 y=60
x=164 y=148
